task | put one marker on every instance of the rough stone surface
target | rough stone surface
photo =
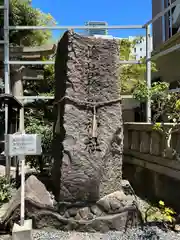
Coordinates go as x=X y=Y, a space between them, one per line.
x=96 y=210
x=114 y=201
x=125 y=219
x=85 y=168
x=95 y=217
x=127 y=188
x=35 y=195
x=122 y=213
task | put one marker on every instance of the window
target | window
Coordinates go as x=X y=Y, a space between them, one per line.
x=135 y=50
x=140 y=49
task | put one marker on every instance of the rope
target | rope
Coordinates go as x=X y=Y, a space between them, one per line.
x=91 y=105
x=94 y=124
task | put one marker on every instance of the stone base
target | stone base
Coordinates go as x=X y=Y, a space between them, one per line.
x=117 y=211
x=112 y=222
x=113 y=212
x=22 y=232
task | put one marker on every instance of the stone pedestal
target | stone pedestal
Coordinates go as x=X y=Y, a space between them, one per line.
x=114 y=212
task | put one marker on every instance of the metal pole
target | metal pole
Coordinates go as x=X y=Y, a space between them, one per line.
x=22 y=161
x=148 y=72
x=55 y=27
x=6 y=46
x=33 y=98
x=6 y=73
x=53 y=62
x=170 y=19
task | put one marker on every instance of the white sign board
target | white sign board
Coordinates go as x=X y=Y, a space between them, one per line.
x=23 y=144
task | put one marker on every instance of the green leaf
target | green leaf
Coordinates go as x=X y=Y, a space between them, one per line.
x=23 y=14
x=132 y=75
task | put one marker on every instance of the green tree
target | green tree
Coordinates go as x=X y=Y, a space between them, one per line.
x=39 y=123
x=23 y=14
x=131 y=75
x=42 y=87
x=166 y=108
x=38 y=115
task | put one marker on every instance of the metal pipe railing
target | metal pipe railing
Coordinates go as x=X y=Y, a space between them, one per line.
x=162 y=13
x=55 y=27
x=6 y=74
x=52 y=62
x=148 y=72
x=52 y=97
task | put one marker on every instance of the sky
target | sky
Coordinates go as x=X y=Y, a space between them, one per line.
x=114 y=12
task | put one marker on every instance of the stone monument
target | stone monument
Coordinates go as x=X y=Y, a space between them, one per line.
x=87 y=146
x=88 y=131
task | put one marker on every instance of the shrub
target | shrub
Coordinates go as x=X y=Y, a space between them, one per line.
x=160 y=213
x=36 y=126
x=5 y=190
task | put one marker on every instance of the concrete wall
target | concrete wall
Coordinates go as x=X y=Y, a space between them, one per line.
x=144 y=165
x=128 y=115
x=168 y=67
x=128 y=109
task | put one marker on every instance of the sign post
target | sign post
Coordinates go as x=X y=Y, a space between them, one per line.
x=22 y=212
x=21 y=144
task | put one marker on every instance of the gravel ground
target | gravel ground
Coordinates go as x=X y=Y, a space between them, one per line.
x=152 y=233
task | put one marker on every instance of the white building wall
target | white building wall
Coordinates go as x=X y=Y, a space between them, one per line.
x=139 y=50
